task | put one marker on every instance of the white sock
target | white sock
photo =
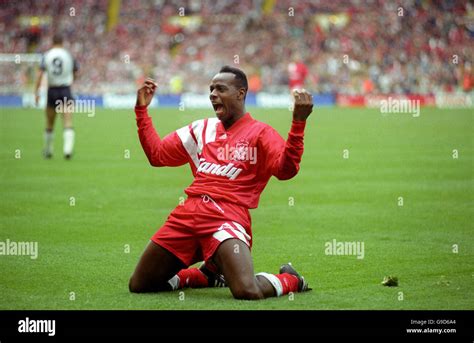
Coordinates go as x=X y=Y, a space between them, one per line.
x=68 y=144
x=48 y=141
x=174 y=282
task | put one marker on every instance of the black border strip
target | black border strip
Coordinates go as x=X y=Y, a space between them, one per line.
x=93 y=323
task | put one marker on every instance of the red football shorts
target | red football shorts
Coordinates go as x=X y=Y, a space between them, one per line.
x=195 y=229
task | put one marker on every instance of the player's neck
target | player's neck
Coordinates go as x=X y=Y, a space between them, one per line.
x=227 y=124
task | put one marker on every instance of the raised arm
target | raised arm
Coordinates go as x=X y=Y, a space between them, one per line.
x=283 y=158
x=168 y=151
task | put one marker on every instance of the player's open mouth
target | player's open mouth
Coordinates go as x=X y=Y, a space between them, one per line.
x=218 y=108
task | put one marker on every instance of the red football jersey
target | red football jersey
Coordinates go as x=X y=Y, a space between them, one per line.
x=231 y=165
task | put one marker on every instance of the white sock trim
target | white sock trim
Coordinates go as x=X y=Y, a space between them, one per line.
x=174 y=282
x=48 y=141
x=274 y=281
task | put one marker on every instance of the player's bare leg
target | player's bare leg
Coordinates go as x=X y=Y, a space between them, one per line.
x=156 y=266
x=49 y=134
x=234 y=259
x=68 y=135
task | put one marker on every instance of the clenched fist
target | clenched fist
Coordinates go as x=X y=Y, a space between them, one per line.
x=303 y=104
x=146 y=92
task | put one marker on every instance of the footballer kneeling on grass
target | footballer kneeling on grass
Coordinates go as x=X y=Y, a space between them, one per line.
x=213 y=225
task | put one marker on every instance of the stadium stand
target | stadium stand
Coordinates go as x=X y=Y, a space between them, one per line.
x=399 y=47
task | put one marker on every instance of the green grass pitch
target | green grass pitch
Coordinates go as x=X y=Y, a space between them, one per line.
x=83 y=262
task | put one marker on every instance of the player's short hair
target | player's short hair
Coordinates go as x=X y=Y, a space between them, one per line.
x=240 y=77
x=58 y=38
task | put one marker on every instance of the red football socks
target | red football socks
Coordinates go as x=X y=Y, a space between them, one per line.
x=288 y=282
x=192 y=277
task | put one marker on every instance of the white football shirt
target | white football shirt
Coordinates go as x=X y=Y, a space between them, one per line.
x=59 y=66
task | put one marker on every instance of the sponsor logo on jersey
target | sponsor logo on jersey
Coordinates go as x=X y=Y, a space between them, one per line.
x=227 y=170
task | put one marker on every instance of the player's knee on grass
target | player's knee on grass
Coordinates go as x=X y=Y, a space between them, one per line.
x=247 y=294
x=147 y=283
x=247 y=291
x=135 y=286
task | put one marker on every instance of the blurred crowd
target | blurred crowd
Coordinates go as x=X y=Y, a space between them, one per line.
x=348 y=46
